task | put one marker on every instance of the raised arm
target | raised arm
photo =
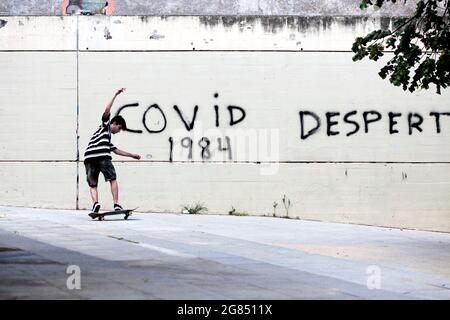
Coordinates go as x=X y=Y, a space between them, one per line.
x=109 y=105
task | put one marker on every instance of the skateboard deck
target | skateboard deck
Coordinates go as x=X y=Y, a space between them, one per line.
x=101 y=215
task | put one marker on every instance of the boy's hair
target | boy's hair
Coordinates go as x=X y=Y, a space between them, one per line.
x=120 y=121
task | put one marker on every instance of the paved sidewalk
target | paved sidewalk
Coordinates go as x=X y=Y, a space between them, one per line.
x=170 y=256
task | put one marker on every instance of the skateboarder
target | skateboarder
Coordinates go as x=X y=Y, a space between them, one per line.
x=97 y=157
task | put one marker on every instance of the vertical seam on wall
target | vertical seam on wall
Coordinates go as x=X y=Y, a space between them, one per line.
x=78 y=116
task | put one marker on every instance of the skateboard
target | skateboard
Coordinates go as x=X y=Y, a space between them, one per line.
x=101 y=215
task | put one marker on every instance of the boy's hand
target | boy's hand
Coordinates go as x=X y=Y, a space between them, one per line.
x=120 y=91
x=136 y=156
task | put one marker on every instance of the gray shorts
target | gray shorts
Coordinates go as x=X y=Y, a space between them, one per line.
x=95 y=166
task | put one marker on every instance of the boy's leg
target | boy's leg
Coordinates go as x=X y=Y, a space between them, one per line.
x=92 y=172
x=94 y=194
x=108 y=170
x=115 y=191
x=115 y=194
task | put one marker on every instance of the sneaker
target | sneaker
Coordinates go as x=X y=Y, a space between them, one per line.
x=96 y=207
x=117 y=207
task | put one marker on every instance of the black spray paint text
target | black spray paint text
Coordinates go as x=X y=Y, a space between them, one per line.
x=362 y=121
x=236 y=115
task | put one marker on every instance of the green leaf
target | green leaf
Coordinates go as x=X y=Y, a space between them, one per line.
x=375 y=51
x=427 y=30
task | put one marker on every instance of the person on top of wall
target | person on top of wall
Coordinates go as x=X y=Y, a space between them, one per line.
x=97 y=157
x=105 y=8
x=89 y=8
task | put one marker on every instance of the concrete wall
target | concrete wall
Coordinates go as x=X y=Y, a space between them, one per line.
x=58 y=73
x=214 y=7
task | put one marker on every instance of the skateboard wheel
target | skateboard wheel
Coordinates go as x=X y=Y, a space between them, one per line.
x=126 y=217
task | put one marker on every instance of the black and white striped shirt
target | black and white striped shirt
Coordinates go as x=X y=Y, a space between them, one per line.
x=100 y=145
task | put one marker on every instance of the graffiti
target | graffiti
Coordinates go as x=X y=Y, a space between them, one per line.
x=144 y=119
x=189 y=126
x=218 y=145
x=231 y=109
x=414 y=121
x=188 y=123
x=437 y=117
x=154 y=121
x=204 y=146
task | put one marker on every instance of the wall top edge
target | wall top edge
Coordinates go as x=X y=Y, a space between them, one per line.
x=210 y=15
x=206 y=7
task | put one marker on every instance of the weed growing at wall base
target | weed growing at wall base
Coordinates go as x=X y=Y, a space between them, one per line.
x=286 y=204
x=234 y=212
x=196 y=208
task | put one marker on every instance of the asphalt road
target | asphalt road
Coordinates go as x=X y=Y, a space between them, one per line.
x=61 y=254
